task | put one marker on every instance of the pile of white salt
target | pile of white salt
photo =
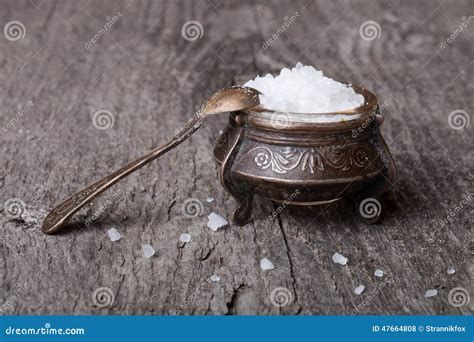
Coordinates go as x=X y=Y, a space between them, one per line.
x=303 y=89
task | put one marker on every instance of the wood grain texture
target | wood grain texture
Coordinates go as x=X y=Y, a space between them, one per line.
x=150 y=78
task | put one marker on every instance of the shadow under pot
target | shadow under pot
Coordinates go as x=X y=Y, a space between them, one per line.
x=290 y=158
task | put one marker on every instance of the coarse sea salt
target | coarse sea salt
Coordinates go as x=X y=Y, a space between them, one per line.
x=114 y=234
x=359 y=289
x=148 y=251
x=266 y=264
x=431 y=293
x=303 y=89
x=339 y=259
x=215 y=278
x=378 y=273
x=185 y=237
x=215 y=221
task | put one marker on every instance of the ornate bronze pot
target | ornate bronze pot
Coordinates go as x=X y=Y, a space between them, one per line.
x=284 y=156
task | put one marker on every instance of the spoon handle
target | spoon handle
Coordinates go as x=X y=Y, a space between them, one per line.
x=56 y=218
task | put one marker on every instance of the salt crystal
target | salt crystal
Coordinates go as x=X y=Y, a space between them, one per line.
x=148 y=251
x=215 y=278
x=114 y=234
x=378 y=273
x=339 y=259
x=185 y=237
x=431 y=293
x=359 y=289
x=451 y=270
x=266 y=264
x=303 y=89
x=216 y=221
x=209 y=199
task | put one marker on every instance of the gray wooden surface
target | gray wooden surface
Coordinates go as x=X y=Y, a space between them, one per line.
x=150 y=78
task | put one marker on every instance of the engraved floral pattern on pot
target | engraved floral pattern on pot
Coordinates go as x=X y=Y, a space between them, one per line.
x=262 y=159
x=309 y=160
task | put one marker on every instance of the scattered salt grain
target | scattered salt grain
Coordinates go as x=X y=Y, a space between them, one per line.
x=378 y=273
x=216 y=221
x=339 y=259
x=185 y=237
x=266 y=264
x=114 y=234
x=148 y=251
x=215 y=278
x=359 y=289
x=451 y=270
x=431 y=293
x=303 y=89
x=209 y=199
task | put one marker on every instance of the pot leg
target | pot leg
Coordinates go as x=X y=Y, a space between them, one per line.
x=243 y=214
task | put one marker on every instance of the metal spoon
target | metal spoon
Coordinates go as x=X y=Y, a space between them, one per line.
x=225 y=100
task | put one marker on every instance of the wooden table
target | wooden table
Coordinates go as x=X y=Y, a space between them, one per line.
x=131 y=60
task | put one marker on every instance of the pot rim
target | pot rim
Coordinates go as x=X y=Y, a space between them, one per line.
x=265 y=118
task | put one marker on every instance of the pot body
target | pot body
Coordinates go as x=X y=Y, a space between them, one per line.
x=302 y=164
